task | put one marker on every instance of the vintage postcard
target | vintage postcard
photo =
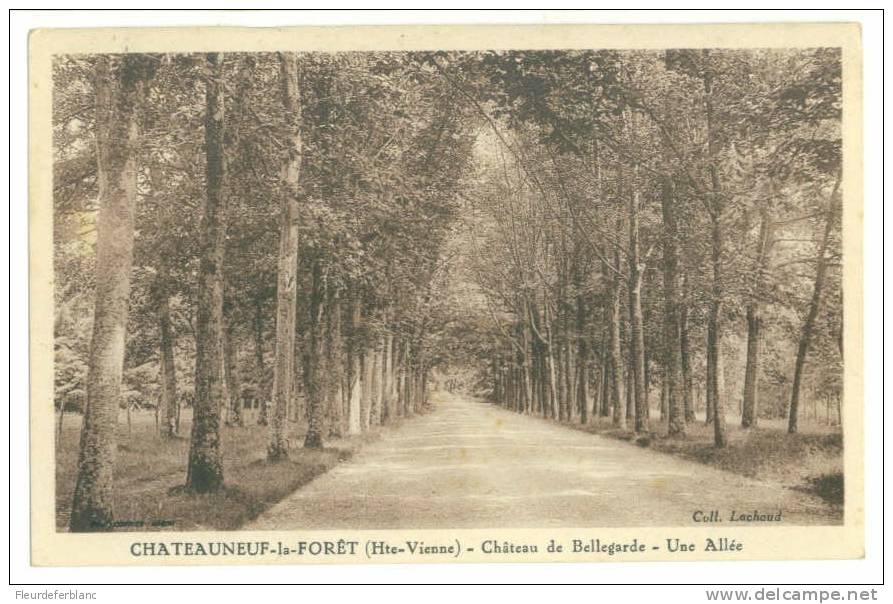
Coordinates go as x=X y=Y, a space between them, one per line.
x=447 y=293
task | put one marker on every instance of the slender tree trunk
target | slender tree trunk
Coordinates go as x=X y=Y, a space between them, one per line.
x=399 y=363
x=674 y=404
x=117 y=133
x=563 y=366
x=637 y=339
x=511 y=384
x=603 y=401
x=313 y=381
x=527 y=366
x=366 y=389
x=646 y=352
x=169 y=400
x=630 y=396
x=355 y=371
x=375 y=388
x=61 y=422
x=334 y=368
x=231 y=368
x=497 y=383
x=550 y=359
x=405 y=378
x=387 y=361
x=354 y=405
x=714 y=347
x=628 y=376
x=604 y=404
x=205 y=470
x=515 y=362
x=223 y=410
x=393 y=394
x=569 y=381
x=752 y=367
x=260 y=370
x=749 y=411
x=582 y=356
x=814 y=304
x=538 y=377
x=286 y=280
x=685 y=361
x=423 y=387
x=615 y=354
x=295 y=403
x=715 y=392
x=708 y=391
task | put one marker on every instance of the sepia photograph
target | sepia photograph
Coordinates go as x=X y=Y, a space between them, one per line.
x=417 y=288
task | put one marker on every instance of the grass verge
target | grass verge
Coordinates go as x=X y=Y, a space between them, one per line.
x=810 y=461
x=150 y=471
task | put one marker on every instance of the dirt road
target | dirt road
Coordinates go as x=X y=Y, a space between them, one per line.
x=469 y=464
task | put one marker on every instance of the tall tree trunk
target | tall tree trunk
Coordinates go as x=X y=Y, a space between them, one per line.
x=670 y=386
x=375 y=388
x=602 y=381
x=355 y=371
x=628 y=376
x=259 y=368
x=715 y=392
x=399 y=364
x=393 y=390
x=749 y=412
x=527 y=367
x=637 y=336
x=561 y=383
x=406 y=380
x=205 y=470
x=286 y=279
x=61 y=422
x=831 y=218
x=615 y=354
x=568 y=371
x=708 y=391
x=313 y=381
x=550 y=359
x=604 y=404
x=532 y=370
x=646 y=352
x=119 y=86
x=231 y=369
x=751 y=367
x=714 y=344
x=334 y=368
x=582 y=401
x=387 y=361
x=685 y=361
x=365 y=389
x=168 y=373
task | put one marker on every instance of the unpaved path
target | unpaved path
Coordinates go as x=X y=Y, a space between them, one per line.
x=468 y=464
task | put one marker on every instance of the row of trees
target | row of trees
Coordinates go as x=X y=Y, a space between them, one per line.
x=663 y=216
x=319 y=232
x=209 y=205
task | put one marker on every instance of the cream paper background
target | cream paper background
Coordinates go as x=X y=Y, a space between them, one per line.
x=760 y=543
